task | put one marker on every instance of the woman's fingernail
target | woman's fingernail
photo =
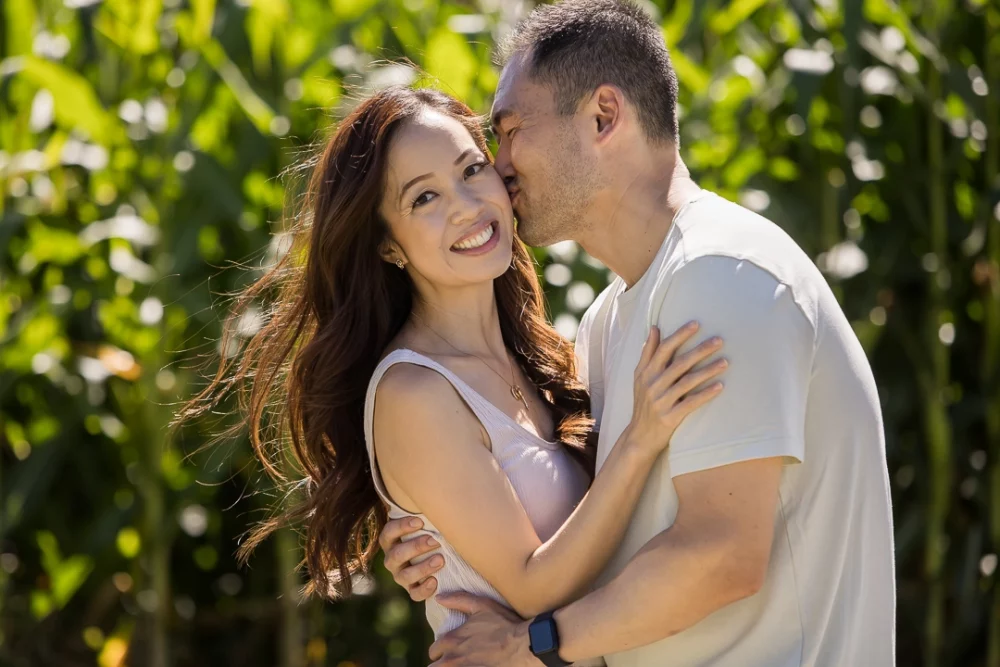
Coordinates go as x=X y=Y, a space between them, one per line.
x=431 y=542
x=414 y=523
x=437 y=561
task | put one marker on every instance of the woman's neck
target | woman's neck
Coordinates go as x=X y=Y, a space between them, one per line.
x=464 y=321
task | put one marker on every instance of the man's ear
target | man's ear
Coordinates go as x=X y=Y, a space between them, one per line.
x=607 y=110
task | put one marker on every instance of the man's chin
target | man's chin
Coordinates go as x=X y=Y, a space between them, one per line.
x=536 y=237
x=528 y=231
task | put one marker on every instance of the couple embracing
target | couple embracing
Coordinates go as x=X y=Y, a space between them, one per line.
x=701 y=482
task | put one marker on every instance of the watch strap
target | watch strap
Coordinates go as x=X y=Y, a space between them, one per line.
x=550 y=658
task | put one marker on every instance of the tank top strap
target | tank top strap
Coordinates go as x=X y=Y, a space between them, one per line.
x=483 y=410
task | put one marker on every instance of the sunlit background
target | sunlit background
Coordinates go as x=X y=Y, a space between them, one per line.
x=141 y=143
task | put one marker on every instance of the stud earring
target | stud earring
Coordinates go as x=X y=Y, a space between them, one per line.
x=399 y=263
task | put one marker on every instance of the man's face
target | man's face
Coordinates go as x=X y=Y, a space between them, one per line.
x=542 y=158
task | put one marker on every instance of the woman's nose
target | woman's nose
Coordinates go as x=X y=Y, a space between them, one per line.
x=466 y=207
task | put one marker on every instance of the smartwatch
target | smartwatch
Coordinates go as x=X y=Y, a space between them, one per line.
x=543 y=636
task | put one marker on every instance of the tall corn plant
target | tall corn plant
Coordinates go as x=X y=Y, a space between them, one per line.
x=990 y=210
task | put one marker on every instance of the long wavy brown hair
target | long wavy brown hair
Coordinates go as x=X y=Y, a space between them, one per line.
x=333 y=306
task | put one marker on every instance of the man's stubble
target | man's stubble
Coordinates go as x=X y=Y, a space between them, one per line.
x=558 y=208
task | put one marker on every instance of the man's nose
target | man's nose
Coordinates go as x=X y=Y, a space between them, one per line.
x=504 y=166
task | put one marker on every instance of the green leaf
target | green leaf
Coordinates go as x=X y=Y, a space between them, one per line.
x=450 y=60
x=965 y=200
x=76 y=103
x=48 y=244
x=676 y=25
x=259 y=112
x=263 y=19
x=350 y=10
x=20 y=19
x=145 y=37
x=65 y=576
x=784 y=169
x=746 y=165
x=322 y=91
x=738 y=11
x=204 y=17
x=689 y=75
x=299 y=46
x=128 y=542
x=131 y=24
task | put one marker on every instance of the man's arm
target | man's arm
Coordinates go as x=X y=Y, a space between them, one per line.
x=726 y=463
x=716 y=553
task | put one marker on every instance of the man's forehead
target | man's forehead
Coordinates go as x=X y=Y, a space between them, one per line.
x=516 y=94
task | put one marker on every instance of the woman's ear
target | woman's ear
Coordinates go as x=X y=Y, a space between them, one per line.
x=390 y=252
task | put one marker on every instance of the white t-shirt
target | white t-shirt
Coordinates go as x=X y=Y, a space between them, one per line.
x=798 y=386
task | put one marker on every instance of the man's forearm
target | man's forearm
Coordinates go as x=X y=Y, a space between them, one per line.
x=671 y=584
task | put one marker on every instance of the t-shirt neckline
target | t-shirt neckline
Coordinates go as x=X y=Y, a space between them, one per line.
x=625 y=294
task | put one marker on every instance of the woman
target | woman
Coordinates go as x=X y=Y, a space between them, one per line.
x=416 y=374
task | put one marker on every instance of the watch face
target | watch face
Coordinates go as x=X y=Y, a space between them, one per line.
x=541 y=637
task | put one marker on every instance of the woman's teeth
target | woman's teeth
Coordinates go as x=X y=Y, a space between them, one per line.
x=476 y=241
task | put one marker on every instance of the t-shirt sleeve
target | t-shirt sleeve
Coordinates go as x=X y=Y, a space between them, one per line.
x=769 y=343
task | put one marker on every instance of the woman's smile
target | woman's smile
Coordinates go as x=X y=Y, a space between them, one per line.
x=479 y=241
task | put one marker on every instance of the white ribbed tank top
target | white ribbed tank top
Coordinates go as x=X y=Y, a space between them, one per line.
x=548 y=482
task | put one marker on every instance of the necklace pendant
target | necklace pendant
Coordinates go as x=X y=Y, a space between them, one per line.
x=515 y=391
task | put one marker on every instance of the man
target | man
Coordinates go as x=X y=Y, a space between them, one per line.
x=763 y=537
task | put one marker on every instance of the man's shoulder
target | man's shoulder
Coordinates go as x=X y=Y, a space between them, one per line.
x=721 y=228
x=720 y=235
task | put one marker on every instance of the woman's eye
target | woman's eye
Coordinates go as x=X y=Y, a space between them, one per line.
x=423 y=198
x=474 y=169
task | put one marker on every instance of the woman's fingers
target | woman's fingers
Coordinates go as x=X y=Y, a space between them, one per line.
x=696 y=399
x=683 y=363
x=648 y=349
x=692 y=380
x=669 y=346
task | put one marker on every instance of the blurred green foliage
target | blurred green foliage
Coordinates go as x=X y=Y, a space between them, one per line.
x=140 y=147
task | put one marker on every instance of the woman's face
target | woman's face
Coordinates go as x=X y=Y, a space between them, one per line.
x=447 y=209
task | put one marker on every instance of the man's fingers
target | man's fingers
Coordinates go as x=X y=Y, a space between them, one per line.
x=424 y=590
x=413 y=574
x=396 y=529
x=437 y=649
x=400 y=555
x=468 y=603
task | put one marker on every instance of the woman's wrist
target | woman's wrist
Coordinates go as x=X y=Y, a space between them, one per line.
x=638 y=446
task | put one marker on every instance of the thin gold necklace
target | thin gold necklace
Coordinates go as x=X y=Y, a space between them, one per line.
x=515 y=391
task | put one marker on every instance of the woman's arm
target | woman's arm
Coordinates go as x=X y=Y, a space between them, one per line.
x=431 y=452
